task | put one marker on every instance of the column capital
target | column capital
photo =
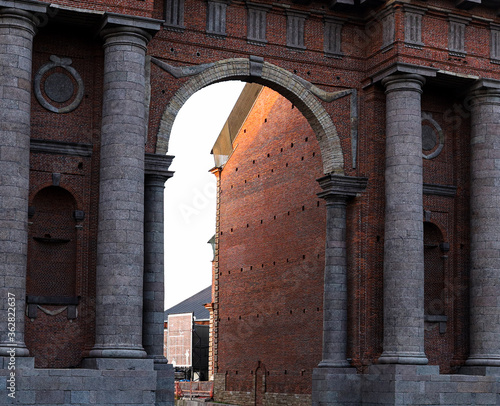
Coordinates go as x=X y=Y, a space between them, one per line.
x=156 y=167
x=19 y=18
x=405 y=81
x=120 y=25
x=126 y=36
x=32 y=6
x=338 y=187
x=485 y=91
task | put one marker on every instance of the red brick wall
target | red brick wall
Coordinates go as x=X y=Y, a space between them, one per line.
x=451 y=216
x=55 y=341
x=271 y=251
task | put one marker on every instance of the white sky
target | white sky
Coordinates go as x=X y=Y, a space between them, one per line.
x=190 y=193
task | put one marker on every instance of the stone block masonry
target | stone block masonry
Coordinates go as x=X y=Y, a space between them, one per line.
x=120 y=250
x=404 y=246
x=404 y=385
x=119 y=382
x=17 y=29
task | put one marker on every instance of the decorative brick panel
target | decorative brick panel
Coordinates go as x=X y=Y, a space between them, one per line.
x=413 y=26
x=333 y=37
x=257 y=23
x=216 y=17
x=174 y=14
x=295 y=29
x=457 y=35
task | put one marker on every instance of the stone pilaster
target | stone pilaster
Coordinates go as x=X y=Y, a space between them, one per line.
x=336 y=191
x=403 y=249
x=120 y=249
x=485 y=225
x=154 y=290
x=17 y=29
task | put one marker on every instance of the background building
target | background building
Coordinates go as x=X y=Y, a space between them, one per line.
x=187 y=336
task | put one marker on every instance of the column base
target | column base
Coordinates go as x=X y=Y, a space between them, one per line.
x=334 y=364
x=19 y=348
x=483 y=361
x=405 y=358
x=18 y=362
x=132 y=364
x=117 y=352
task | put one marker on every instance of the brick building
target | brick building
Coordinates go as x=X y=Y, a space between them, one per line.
x=403 y=100
x=269 y=160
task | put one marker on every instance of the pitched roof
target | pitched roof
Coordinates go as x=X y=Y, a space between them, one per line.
x=223 y=147
x=193 y=304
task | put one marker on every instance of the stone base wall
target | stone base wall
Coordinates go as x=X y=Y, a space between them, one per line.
x=269 y=399
x=248 y=398
x=235 y=398
x=286 y=399
x=114 y=382
x=403 y=385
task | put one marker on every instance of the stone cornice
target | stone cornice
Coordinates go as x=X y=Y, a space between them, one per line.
x=157 y=165
x=399 y=67
x=439 y=190
x=335 y=186
x=363 y=4
x=113 y=20
x=488 y=84
x=411 y=8
x=467 y=4
x=61 y=148
x=258 y=6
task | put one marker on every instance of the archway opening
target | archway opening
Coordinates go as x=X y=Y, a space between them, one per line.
x=269 y=242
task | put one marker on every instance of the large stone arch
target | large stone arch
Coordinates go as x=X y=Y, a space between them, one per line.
x=274 y=77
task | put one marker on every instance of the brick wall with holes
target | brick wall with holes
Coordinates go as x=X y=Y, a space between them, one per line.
x=271 y=252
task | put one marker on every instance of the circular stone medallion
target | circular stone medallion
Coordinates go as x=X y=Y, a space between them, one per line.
x=59 y=87
x=64 y=86
x=432 y=137
x=429 y=138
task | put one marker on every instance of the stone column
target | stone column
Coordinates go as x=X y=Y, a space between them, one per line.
x=485 y=225
x=17 y=29
x=336 y=191
x=404 y=248
x=120 y=248
x=154 y=289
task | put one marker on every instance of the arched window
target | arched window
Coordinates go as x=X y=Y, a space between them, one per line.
x=52 y=244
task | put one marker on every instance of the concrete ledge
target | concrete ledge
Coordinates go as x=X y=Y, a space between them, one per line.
x=480 y=370
x=119 y=364
x=196 y=402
